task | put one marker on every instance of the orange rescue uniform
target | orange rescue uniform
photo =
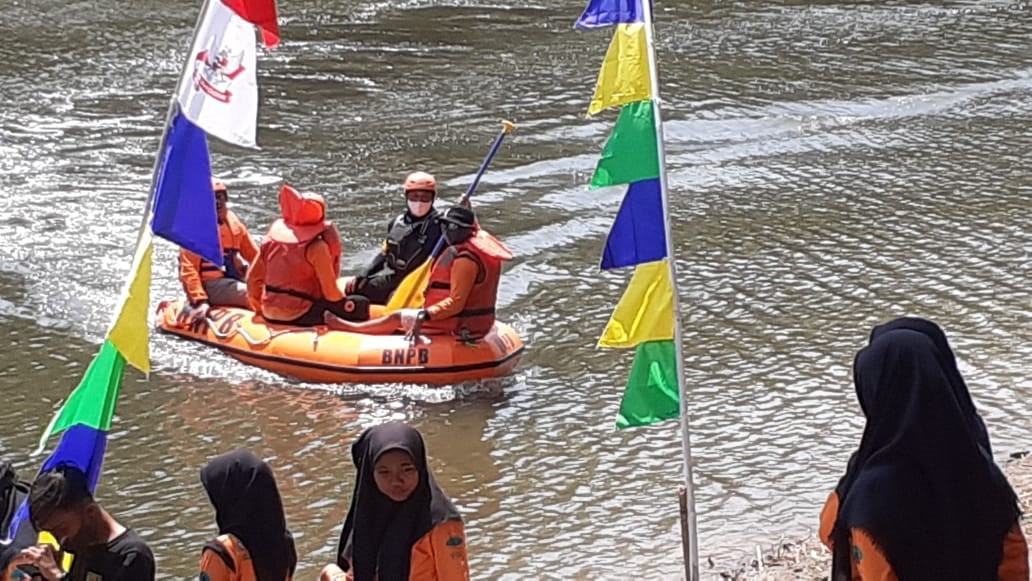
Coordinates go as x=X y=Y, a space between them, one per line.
x=215 y=568
x=194 y=270
x=869 y=564
x=314 y=276
x=440 y=555
x=463 y=288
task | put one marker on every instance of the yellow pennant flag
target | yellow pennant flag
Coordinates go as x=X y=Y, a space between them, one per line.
x=624 y=77
x=130 y=333
x=646 y=310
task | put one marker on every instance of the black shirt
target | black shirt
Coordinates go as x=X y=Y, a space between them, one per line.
x=124 y=558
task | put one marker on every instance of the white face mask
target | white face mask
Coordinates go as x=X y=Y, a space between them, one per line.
x=419 y=209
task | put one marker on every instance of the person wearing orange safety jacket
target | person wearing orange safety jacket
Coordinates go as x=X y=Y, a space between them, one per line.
x=209 y=285
x=460 y=296
x=294 y=279
x=411 y=237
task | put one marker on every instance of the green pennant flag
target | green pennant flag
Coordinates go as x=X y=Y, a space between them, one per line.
x=630 y=154
x=92 y=403
x=651 y=394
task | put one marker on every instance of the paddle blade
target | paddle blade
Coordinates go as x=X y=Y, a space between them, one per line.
x=409 y=294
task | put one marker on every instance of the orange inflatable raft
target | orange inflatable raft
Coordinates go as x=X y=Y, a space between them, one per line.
x=321 y=355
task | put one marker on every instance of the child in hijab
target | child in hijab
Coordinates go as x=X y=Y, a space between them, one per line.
x=401 y=525
x=253 y=543
x=922 y=498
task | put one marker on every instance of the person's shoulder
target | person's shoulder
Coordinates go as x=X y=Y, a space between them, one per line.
x=130 y=542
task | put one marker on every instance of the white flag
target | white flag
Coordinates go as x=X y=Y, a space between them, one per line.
x=219 y=91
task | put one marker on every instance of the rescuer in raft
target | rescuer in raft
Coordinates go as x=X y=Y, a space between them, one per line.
x=460 y=297
x=294 y=279
x=207 y=285
x=411 y=237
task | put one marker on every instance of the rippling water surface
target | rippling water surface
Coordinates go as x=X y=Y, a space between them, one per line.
x=832 y=165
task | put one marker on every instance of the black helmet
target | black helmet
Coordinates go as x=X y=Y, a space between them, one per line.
x=460 y=216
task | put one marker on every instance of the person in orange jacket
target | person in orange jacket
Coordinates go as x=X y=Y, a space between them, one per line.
x=208 y=285
x=463 y=288
x=921 y=497
x=401 y=525
x=253 y=541
x=294 y=279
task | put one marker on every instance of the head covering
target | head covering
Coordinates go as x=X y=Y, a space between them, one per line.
x=949 y=364
x=379 y=533
x=420 y=180
x=460 y=216
x=247 y=505
x=217 y=185
x=921 y=486
x=303 y=216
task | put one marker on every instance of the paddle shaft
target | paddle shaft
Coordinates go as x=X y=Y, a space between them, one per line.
x=506 y=128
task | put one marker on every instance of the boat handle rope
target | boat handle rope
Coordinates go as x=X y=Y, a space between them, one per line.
x=236 y=328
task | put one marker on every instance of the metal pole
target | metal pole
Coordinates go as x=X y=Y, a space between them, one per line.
x=691 y=565
x=141 y=233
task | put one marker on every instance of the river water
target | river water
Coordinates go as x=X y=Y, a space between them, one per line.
x=832 y=165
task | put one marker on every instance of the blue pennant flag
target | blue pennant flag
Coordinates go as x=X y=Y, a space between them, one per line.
x=600 y=13
x=637 y=234
x=184 y=201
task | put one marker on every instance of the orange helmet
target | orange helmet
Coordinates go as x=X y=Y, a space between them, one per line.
x=420 y=180
x=217 y=185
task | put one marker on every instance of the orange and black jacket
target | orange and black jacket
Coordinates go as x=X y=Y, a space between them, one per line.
x=194 y=270
x=462 y=291
x=226 y=559
x=870 y=564
x=439 y=555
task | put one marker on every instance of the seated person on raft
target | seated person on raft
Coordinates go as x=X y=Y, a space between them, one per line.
x=209 y=285
x=294 y=279
x=60 y=502
x=411 y=238
x=460 y=297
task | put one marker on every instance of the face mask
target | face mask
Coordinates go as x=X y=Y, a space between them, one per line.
x=419 y=209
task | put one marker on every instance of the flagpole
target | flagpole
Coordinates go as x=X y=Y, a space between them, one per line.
x=173 y=102
x=141 y=232
x=691 y=542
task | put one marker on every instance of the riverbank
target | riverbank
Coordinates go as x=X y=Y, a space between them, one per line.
x=807 y=559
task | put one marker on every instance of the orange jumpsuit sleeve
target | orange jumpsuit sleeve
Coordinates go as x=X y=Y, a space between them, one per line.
x=441 y=554
x=829 y=514
x=214 y=568
x=256 y=283
x=1014 y=565
x=190 y=276
x=318 y=255
x=463 y=276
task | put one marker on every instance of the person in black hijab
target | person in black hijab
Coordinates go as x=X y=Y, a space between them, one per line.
x=397 y=506
x=921 y=487
x=948 y=361
x=949 y=364
x=249 y=512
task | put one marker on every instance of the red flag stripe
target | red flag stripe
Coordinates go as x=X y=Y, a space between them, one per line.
x=261 y=13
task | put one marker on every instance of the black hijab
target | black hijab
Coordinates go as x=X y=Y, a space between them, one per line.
x=920 y=484
x=949 y=364
x=247 y=505
x=948 y=361
x=379 y=533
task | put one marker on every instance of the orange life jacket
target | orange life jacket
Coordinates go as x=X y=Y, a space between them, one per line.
x=478 y=315
x=230 y=234
x=291 y=283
